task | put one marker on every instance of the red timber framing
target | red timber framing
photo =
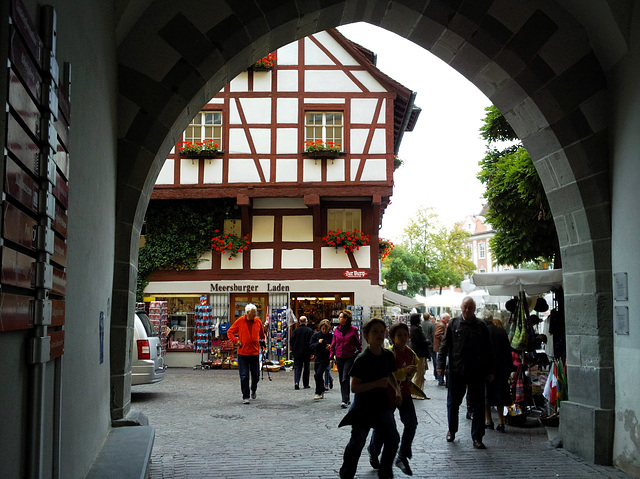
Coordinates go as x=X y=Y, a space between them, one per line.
x=391 y=112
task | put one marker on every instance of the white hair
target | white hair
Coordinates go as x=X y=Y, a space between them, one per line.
x=249 y=307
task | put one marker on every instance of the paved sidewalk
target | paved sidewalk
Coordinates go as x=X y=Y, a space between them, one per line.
x=204 y=431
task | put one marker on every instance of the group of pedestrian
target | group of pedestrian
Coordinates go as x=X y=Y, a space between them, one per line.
x=341 y=345
x=475 y=353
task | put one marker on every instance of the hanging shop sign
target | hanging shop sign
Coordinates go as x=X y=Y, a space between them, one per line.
x=355 y=274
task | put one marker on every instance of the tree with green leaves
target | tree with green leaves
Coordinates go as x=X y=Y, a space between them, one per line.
x=517 y=204
x=438 y=256
x=401 y=266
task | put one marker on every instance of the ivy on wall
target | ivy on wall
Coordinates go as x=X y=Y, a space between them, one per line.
x=177 y=233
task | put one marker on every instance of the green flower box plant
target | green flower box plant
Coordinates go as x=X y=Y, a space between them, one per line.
x=349 y=240
x=384 y=248
x=200 y=149
x=264 y=64
x=229 y=243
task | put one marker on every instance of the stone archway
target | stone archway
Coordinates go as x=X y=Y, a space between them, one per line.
x=533 y=61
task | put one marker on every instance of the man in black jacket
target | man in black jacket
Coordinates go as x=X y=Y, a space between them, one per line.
x=301 y=349
x=467 y=344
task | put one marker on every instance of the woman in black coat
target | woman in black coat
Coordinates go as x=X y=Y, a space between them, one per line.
x=497 y=391
x=420 y=345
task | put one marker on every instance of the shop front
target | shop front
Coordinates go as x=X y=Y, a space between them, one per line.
x=195 y=308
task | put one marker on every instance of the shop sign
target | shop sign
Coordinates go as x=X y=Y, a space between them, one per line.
x=355 y=274
x=245 y=288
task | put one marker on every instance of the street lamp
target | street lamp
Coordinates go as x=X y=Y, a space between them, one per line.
x=402 y=286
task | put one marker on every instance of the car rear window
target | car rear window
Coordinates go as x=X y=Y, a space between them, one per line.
x=148 y=327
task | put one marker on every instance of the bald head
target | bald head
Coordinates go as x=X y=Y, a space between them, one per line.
x=303 y=320
x=445 y=318
x=468 y=308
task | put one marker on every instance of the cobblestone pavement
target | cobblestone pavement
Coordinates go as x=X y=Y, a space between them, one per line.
x=204 y=431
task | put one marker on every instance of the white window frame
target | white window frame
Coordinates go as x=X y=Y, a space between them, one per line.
x=215 y=126
x=324 y=127
x=344 y=219
x=481 y=250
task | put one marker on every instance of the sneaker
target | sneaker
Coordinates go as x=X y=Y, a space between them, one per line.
x=344 y=405
x=253 y=395
x=246 y=401
x=317 y=397
x=403 y=464
x=374 y=461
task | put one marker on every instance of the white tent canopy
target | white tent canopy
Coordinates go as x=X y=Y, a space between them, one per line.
x=509 y=283
x=396 y=298
x=448 y=299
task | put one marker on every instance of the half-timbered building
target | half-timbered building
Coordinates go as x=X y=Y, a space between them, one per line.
x=322 y=87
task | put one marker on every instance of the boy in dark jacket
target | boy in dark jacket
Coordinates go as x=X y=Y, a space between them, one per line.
x=321 y=344
x=371 y=374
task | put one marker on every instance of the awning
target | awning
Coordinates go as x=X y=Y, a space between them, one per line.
x=446 y=299
x=511 y=282
x=396 y=298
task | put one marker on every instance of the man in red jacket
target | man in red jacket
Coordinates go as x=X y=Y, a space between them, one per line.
x=246 y=333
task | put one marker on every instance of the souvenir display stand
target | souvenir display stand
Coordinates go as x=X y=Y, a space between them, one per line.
x=203 y=335
x=159 y=317
x=278 y=340
x=356 y=317
x=527 y=383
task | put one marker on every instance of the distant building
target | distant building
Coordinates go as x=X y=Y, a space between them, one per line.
x=478 y=243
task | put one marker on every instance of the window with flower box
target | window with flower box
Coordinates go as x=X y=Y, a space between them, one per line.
x=324 y=126
x=344 y=219
x=207 y=125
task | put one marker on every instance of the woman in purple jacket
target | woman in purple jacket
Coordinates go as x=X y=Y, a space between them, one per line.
x=345 y=346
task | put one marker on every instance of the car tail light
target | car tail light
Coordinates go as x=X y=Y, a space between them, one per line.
x=143 y=349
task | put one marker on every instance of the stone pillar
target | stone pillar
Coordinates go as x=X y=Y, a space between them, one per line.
x=587 y=418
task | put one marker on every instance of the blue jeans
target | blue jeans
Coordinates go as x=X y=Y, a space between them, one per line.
x=474 y=387
x=434 y=361
x=248 y=365
x=409 y=419
x=385 y=427
x=320 y=367
x=328 y=380
x=301 y=367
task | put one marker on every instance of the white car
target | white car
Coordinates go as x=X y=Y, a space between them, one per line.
x=147 y=365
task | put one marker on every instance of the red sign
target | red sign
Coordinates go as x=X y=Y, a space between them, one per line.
x=355 y=274
x=57 y=344
x=16 y=312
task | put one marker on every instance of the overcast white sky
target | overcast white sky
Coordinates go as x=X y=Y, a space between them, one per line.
x=441 y=154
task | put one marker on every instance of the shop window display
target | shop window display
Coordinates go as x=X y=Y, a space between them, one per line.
x=319 y=306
